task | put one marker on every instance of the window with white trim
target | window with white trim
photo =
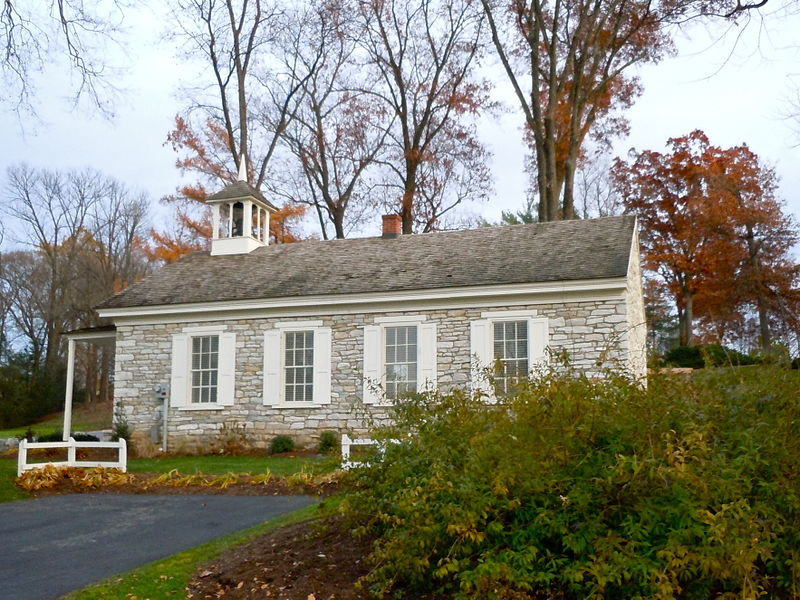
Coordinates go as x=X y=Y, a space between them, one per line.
x=203 y=368
x=205 y=365
x=297 y=364
x=400 y=352
x=399 y=358
x=510 y=346
x=506 y=345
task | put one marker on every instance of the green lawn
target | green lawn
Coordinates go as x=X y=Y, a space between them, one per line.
x=229 y=464
x=8 y=472
x=167 y=578
x=84 y=418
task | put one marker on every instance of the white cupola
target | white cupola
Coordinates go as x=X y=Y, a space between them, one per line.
x=240 y=217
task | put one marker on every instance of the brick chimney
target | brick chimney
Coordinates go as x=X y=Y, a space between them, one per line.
x=392 y=226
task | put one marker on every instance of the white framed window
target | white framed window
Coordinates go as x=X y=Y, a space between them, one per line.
x=297 y=364
x=400 y=357
x=400 y=360
x=510 y=343
x=510 y=353
x=203 y=368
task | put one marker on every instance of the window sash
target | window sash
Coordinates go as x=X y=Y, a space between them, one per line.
x=400 y=360
x=298 y=366
x=510 y=346
x=204 y=370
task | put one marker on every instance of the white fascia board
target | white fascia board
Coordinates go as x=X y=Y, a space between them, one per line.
x=91 y=336
x=418 y=300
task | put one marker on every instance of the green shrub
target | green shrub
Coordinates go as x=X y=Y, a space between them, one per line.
x=280 y=444
x=328 y=442
x=576 y=489
x=120 y=429
x=710 y=355
x=58 y=436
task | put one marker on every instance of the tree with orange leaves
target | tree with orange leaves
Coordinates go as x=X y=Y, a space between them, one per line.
x=713 y=234
x=204 y=154
x=568 y=64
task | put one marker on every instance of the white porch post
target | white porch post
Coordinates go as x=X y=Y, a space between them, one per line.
x=68 y=394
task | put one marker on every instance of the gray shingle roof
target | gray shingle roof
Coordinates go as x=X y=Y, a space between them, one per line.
x=542 y=252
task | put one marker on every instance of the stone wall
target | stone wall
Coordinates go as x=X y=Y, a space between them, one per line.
x=593 y=335
x=637 y=319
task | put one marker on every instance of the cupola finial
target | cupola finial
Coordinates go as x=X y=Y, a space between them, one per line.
x=243 y=169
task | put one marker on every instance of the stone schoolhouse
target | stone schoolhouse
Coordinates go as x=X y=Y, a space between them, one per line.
x=301 y=338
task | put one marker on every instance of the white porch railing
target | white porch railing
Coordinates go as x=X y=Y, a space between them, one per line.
x=72 y=446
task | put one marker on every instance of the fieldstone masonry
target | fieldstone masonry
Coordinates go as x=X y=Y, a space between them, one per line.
x=594 y=335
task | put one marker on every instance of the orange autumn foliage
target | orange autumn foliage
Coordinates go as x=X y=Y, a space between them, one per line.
x=714 y=234
x=207 y=155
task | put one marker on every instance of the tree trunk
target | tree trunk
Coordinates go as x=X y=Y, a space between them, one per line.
x=409 y=191
x=685 y=318
x=763 y=325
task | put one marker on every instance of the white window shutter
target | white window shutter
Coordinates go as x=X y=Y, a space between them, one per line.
x=372 y=363
x=226 y=384
x=178 y=388
x=538 y=339
x=428 y=375
x=322 y=365
x=272 y=367
x=481 y=355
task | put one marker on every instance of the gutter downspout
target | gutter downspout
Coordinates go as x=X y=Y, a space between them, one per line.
x=164 y=416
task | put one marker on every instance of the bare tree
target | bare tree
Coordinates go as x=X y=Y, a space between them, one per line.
x=423 y=55
x=595 y=194
x=249 y=46
x=23 y=281
x=338 y=132
x=52 y=209
x=34 y=32
x=82 y=229
x=456 y=174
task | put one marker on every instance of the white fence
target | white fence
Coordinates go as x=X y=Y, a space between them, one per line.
x=348 y=442
x=72 y=446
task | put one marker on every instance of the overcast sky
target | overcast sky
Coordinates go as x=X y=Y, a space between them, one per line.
x=736 y=92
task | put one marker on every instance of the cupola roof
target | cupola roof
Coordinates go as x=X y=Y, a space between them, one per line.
x=240 y=190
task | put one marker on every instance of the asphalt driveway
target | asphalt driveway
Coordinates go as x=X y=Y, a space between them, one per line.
x=51 y=546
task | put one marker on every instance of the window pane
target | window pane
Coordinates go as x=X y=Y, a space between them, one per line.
x=298 y=366
x=510 y=353
x=204 y=368
x=400 y=354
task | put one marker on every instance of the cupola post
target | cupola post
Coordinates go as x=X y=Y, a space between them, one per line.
x=239 y=216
